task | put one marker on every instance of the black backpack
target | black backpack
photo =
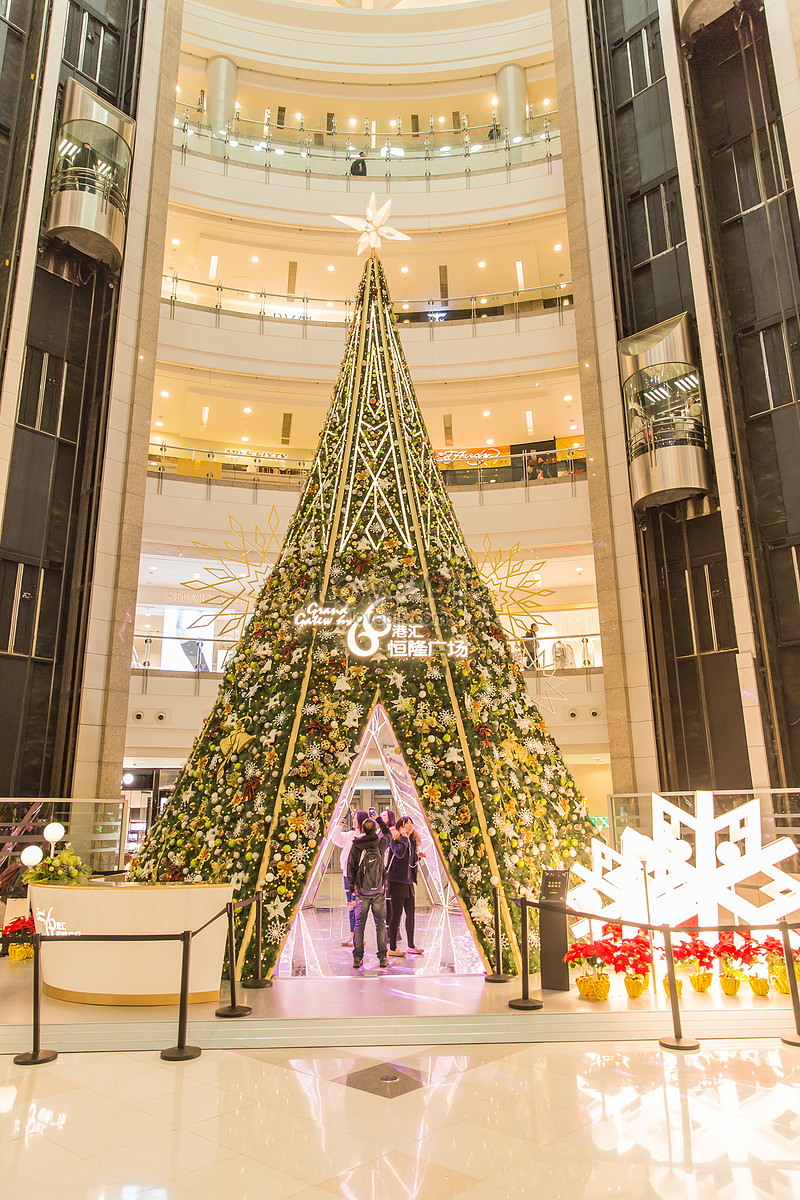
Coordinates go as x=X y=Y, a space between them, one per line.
x=371 y=873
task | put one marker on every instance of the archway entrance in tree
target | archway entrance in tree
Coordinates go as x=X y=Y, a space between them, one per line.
x=379 y=778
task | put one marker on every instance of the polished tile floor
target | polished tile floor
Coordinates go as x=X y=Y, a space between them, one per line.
x=483 y=1123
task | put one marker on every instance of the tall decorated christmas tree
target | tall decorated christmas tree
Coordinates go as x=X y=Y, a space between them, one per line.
x=374 y=598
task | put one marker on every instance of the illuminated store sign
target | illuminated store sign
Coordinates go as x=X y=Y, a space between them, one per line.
x=256 y=454
x=369 y=632
x=471 y=457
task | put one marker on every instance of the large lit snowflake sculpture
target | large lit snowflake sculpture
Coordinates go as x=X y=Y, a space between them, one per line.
x=693 y=865
x=231 y=588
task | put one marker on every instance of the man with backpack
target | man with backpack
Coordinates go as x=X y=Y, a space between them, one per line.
x=366 y=879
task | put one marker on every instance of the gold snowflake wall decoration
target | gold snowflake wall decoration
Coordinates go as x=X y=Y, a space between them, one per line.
x=232 y=587
x=515 y=586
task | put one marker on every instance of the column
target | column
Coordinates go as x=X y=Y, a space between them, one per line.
x=512 y=96
x=222 y=78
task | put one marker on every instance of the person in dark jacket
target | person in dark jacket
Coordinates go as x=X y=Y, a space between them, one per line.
x=400 y=887
x=359 y=164
x=373 y=900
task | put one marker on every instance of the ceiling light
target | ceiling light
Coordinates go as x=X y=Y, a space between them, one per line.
x=159 y=424
x=177 y=87
x=245 y=439
x=557 y=246
x=204 y=417
x=494 y=99
x=546 y=100
x=529 y=420
x=568 y=398
x=141 y=356
x=579 y=570
x=176 y=241
x=393 y=124
x=164 y=395
x=481 y=265
x=516 y=141
x=212 y=269
x=483 y=299
x=247 y=410
x=251 y=295
x=254 y=258
x=352 y=120
x=520 y=274
x=331 y=267
x=279 y=150
x=298 y=116
x=404 y=270
x=329 y=304
x=576 y=445
x=486 y=412
x=490 y=441
x=566 y=302
x=441 y=120
x=573 y=426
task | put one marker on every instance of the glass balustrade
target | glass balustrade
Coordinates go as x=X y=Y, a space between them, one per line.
x=387 y=153
x=496 y=466
x=554 y=299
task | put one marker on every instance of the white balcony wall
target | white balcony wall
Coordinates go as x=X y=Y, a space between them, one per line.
x=526 y=192
x=192 y=337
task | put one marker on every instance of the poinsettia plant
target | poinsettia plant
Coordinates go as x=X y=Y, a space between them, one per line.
x=694 y=952
x=595 y=954
x=19 y=929
x=633 y=955
x=771 y=950
x=734 y=956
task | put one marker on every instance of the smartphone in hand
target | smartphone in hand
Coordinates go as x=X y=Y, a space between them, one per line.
x=372 y=812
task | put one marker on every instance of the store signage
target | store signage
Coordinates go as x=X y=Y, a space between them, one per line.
x=470 y=457
x=368 y=632
x=256 y=454
x=52 y=927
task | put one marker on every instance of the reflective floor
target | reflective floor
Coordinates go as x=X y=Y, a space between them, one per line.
x=482 y=1123
x=314 y=946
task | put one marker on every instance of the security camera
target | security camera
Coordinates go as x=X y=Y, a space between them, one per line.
x=161 y=716
x=138 y=716
x=595 y=713
x=572 y=714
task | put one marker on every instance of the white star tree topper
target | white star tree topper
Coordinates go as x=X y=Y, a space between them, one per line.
x=374 y=227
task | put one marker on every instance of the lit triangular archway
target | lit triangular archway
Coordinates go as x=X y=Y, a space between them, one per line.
x=374 y=598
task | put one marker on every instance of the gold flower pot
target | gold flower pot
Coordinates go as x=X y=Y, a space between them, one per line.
x=634 y=985
x=19 y=951
x=759 y=985
x=678 y=984
x=729 y=984
x=701 y=980
x=593 y=987
x=780 y=981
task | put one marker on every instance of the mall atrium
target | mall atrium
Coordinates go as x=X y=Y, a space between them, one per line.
x=400 y=418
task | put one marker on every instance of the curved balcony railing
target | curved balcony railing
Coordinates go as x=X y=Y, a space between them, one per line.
x=389 y=154
x=260 y=470
x=263 y=306
x=85 y=179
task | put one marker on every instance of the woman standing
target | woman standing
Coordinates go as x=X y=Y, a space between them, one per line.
x=344 y=838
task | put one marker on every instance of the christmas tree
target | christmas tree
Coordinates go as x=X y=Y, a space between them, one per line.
x=374 y=598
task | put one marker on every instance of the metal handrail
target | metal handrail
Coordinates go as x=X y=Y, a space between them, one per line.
x=85 y=179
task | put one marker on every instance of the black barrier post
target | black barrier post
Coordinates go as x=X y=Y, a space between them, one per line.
x=497 y=975
x=32 y=1058
x=792 y=978
x=678 y=1042
x=233 y=1009
x=525 y=1000
x=182 y=1052
x=258 y=980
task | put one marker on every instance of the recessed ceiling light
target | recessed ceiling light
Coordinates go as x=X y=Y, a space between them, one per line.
x=568 y=398
x=481 y=265
x=494 y=99
x=176 y=241
x=486 y=412
x=566 y=302
x=573 y=426
x=254 y=258
x=298 y=116
x=441 y=120
x=576 y=445
x=204 y=417
x=159 y=424
x=352 y=120
x=393 y=124
x=546 y=100
x=212 y=269
x=251 y=295
x=404 y=270
x=405 y=306
x=164 y=395
x=557 y=246
x=331 y=267
x=329 y=304
x=483 y=299
x=141 y=356
x=579 y=570
x=177 y=87
x=245 y=439
x=490 y=441
x=247 y=410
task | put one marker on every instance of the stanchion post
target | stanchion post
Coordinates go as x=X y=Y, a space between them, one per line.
x=258 y=980
x=35 y=1056
x=497 y=975
x=525 y=1001
x=678 y=1041
x=182 y=1052
x=233 y=1009
x=792 y=978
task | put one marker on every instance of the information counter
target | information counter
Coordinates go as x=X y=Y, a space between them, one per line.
x=129 y=972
